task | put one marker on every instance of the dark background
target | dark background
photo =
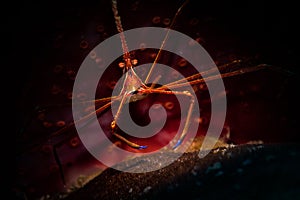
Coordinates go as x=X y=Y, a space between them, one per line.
x=246 y=28
x=261 y=30
x=265 y=26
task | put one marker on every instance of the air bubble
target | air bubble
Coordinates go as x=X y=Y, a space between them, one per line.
x=84 y=44
x=202 y=87
x=58 y=68
x=194 y=21
x=100 y=28
x=118 y=143
x=71 y=73
x=74 y=142
x=182 y=63
x=105 y=35
x=201 y=120
x=70 y=95
x=55 y=89
x=47 y=124
x=142 y=46
x=41 y=116
x=226 y=131
x=112 y=84
x=166 y=21
x=156 y=106
x=134 y=62
x=199 y=40
x=196 y=41
x=192 y=42
x=60 y=123
x=169 y=105
x=153 y=55
x=195 y=88
x=93 y=55
x=121 y=64
x=156 y=20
